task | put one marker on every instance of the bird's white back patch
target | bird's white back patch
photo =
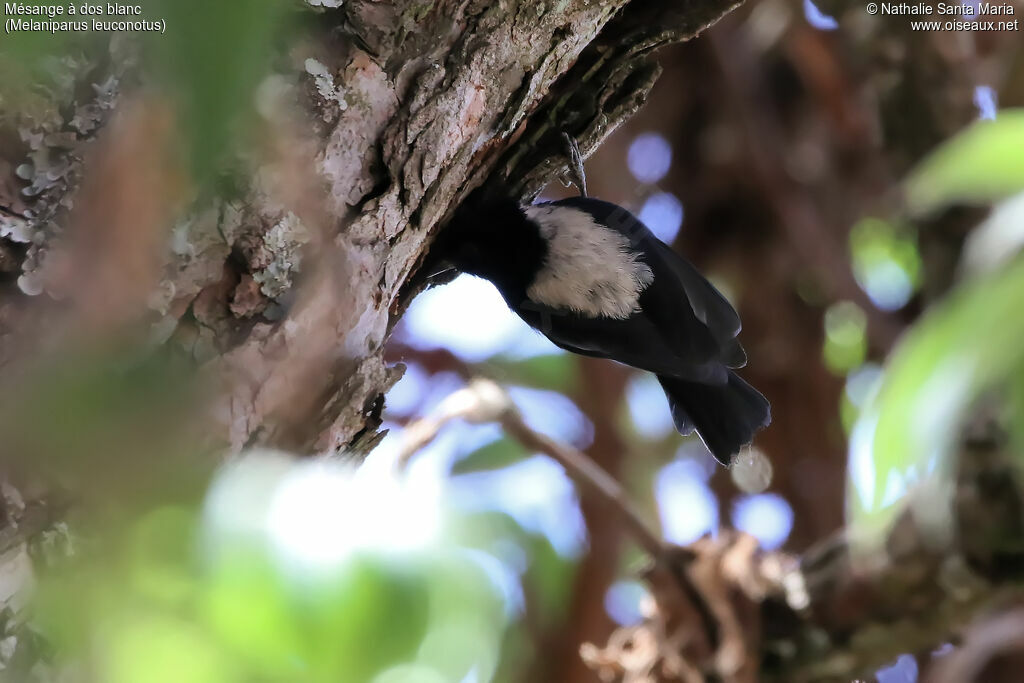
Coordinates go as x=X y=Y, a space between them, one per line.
x=590 y=269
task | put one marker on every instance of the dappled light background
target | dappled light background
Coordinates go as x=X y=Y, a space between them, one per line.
x=765 y=154
x=781 y=152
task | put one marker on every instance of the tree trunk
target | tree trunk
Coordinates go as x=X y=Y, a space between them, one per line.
x=415 y=107
x=281 y=289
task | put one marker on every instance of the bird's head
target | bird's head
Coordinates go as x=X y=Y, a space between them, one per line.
x=490 y=236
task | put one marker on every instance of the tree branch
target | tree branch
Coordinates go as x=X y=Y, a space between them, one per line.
x=484 y=401
x=830 y=617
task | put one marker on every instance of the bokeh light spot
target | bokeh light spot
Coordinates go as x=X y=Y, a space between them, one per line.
x=469 y=317
x=862 y=382
x=904 y=670
x=687 y=506
x=766 y=516
x=648 y=407
x=817 y=18
x=845 y=336
x=623 y=602
x=649 y=157
x=663 y=214
x=886 y=262
x=985 y=100
x=552 y=413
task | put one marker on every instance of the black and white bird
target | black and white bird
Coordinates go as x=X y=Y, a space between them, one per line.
x=592 y=277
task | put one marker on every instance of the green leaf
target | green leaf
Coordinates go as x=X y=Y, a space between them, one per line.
x=981 y=164
x=466 y=619
x=158 y=553
x=492 y=456
x=410 y=673
x=348 y=621
x=157 y=648
x=245 y=605
x=555 y=371
x=548 y=580
x=908 y=430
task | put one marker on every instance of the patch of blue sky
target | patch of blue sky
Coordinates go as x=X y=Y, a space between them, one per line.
x=986 y=101
x=687 y=507
x=469 y=317
x=903 y=670
x=647 y=407
x=623 y=600
x=765 y=516
x=552 y=413
x=405 y=397
x=817 y=18
x=535 y=492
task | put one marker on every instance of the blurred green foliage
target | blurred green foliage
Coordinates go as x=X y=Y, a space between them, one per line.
x=163 y=593
x=980 y=165
x=546 y=579
x=969 y=343
x=491 y=456
x=212 y=56
x=209 y=60
x=962 y=348
x=107 y=421
x=886 y=261
x=180 y=595
x=554 y=371
x=25 y=54
x=845 y=336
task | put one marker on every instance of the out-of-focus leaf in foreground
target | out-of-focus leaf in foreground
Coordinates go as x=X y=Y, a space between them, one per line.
x=25 y=53
x=292 y=571
x=886 y=261
x=106 y=421
x=982 y=164
x=908 y=431
x=213 y=54
x=845 y=336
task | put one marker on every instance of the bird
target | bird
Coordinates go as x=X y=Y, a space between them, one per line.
x=593 y=279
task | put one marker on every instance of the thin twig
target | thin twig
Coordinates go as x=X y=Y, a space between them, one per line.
x=586 y=472
x=483 y=400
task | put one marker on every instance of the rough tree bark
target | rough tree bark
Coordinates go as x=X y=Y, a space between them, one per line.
x=415 y=104
x=285 y=290
x=282 y=291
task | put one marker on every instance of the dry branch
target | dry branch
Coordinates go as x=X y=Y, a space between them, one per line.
x=826 y=617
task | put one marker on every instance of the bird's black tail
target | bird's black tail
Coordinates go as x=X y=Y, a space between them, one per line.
x=726 y=416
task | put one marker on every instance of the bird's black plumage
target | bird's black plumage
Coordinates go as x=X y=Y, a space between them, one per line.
x=593 y=278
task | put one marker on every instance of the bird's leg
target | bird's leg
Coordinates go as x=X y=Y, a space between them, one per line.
x=576 y=172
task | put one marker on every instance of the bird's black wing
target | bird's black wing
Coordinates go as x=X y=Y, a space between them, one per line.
x=711 y=312
x=692 y=317
x=635 y=341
